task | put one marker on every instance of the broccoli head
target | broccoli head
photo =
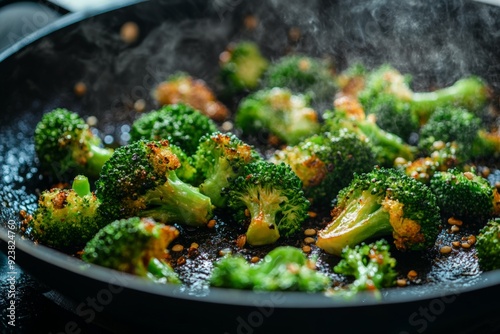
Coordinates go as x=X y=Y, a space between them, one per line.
x=140 y=180
x=242 y=66
x=279 y=112
x=182 y=88
x=371 y=265
x=382 y=202
x=302 y=75
x=463 y=195
x=326 y=163
x=388 y=94
x=348 y=114
x=285 y=268
x=180 y=124
x=134 y=245
x=488 y=245
x=66 y=219
x=273 y=197
x=66 y=147
x=220 y=157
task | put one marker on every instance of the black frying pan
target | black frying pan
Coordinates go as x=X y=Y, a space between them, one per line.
x=435 y=42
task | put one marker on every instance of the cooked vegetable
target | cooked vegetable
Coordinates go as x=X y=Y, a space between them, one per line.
x=66 y=147
x=382 y=202
x=326 y=163
x=134 y=245
x=140 y=180
x=285 y=268
x=220 y=157
x=66 y=219
x=279 y=112
x=272 y=195
x=371 y=265
x=180 y=124
x=488 y=245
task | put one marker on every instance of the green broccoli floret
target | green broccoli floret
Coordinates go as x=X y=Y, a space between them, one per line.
x=273 y=197
x=220 y=157
x=242 y=66
x=387 y=146
x=66 y=147
x=140 y=180
x=464 y=195
x=371 y=265
x=388 y=94
x=134 y=245
x=382 y=202
x=278 y=112
x=326 y=163
x=302 y=75
x=454 y=124
x=285 y=268
x=180 y=124
x=187 y=171
x=352 y=80
x=66 y=219
x=488 y=245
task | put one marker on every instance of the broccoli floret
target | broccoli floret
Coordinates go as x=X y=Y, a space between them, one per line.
x=242 y=66
x=285 y=268
x=182 y=88
x=488 y=245
x=220 y=157
x=66 y=147
x=352 y=80
x=140 y=180
x=371 y=265
x=134 y=245
x=326 y=163
x=454 y=124
x=66 y=219
x=442 y=158
x=388 y=93
x=279 y=112
x=463 y=195
x=180 y=124
x=187 y=171
x=349 y=115
x=382 y=202
x=273 y=197
x=302 y=75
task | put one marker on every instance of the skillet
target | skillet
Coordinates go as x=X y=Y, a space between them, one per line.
x=436 y=43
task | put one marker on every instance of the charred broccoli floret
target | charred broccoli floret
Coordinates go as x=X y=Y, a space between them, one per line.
x=273 y=197
x=66 y=219
x=285 y=268
x=180 y=124
x=453 y=124
x=279 y=112
x=326 y=163
x=66 y=147
x=351 y=80
x=464 y=195
x=302 y=75
x=140 y=180
x=134 y=245
x=242 y=66
x=488 y=245
x=182 y=88
x=388 y=94
x=220 y=157
x=382 y=202
x=371 y=265
x=347 y=114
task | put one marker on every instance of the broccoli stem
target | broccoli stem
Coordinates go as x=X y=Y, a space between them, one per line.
x=178 y=202
x=97 y=157
x=263 y=229
x=217 y=180
x=362 y=218
x=81 y=185
x=159 y=271
x=470 y=93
